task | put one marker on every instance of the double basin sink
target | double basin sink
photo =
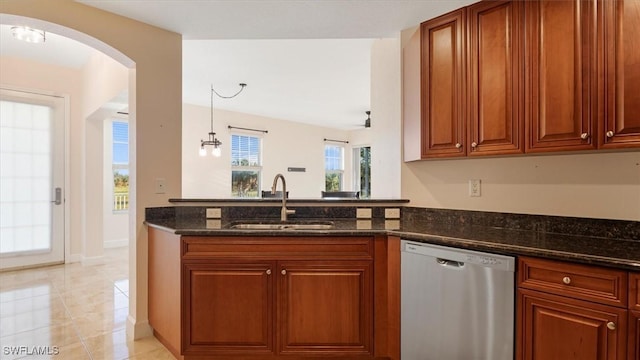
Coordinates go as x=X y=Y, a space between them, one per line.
x=289 y=225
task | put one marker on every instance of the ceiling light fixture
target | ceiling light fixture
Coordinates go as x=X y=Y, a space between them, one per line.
x=367 y=123
x=28 y=34
x=216 y=151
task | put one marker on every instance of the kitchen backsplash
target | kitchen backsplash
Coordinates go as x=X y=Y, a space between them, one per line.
x=613 y=229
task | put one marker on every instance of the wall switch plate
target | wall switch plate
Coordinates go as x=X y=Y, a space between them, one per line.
x=161 y=186
x=214 y=213
x=392 y=213
x=363 y=213
x=474 y=187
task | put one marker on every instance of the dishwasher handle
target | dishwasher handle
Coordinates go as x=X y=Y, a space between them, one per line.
x=451 y=263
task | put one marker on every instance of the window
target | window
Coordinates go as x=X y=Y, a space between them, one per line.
x=120 y=165
x=334 y=167
x=362 y=170
x=246 y=165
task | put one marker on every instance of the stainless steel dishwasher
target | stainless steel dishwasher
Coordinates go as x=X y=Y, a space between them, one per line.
x=456 y=304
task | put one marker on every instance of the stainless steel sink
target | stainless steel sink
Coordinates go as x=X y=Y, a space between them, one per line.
x=311 y=226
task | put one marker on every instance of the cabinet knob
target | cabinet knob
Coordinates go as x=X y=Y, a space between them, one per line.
x=268 y=271
x=566 y=280
x=474 y=144
x=611 y=325
x=584 y=136
x=283 y=272
x=610 y=134
x=458 y=145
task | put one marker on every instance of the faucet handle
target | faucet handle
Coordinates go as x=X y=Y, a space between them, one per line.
x=291 y=211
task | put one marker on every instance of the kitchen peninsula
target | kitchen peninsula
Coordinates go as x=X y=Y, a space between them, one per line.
x=285 y=291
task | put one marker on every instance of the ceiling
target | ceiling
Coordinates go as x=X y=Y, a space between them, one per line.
x=303 y=60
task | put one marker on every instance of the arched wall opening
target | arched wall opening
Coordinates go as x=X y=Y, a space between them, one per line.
x=154 y=57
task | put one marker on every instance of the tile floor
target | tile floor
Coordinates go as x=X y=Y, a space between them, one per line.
x=71 y=312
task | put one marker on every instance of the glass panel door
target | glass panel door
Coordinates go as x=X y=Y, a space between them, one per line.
x=31 y=179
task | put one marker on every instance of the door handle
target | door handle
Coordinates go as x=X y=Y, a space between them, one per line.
x=58 y=196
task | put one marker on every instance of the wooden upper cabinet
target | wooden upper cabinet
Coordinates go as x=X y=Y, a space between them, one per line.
x=560 y=63
x=443 y=85
x=495 y=123
x=621 y=126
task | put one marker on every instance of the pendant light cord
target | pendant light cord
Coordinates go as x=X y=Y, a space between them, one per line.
x=213 y=91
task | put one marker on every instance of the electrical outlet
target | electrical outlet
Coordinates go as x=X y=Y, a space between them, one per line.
x=392 y=213
x=474 y=187
x=161 y=185
x=363 y=213
x=214 y=213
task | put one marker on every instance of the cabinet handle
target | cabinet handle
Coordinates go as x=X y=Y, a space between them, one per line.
x=584 y=136
x=474 y=144
x=610 y=134
x=611 y=325
x=283 y=272
x=566 y=280
x=268 y=271
x=458 y=145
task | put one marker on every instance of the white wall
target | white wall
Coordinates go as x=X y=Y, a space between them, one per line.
x=287 y=144
x=104 y=80
x=154 y=56
x=594 y=185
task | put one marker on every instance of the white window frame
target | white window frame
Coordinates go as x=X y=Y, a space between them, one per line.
x=357 y=186
x=339 y=172
x=118 y=166
x=253 y=168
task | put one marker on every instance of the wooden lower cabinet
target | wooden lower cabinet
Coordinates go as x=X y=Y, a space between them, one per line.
x=634 y=335
x=229 y=308
x=558 y=328
x=574 y=311
x=325 y=307
x=266 y=298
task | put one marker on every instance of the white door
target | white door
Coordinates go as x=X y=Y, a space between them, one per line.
x=31 y=179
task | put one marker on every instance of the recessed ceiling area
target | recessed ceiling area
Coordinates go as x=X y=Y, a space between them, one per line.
x=321 y=82
x=303 y=60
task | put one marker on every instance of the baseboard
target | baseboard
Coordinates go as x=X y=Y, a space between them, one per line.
x=116 y=243
x=92 y=260
x=138 y=329
x=73 y=258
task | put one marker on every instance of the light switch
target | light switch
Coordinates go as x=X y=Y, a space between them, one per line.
x=161 y=186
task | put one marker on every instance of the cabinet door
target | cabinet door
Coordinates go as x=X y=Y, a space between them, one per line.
x=228 y=308
x=560 y=62
x=621 y=126
x=443 y=85
x=325 y=308
x=495 y=78
x=557 y=328
x=634 y=335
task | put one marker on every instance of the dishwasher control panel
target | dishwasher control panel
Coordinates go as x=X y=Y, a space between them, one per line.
x=448 y=255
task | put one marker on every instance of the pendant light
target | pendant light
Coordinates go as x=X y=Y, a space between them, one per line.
x=213 y=141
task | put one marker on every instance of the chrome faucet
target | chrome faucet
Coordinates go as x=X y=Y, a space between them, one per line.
x=284 y=212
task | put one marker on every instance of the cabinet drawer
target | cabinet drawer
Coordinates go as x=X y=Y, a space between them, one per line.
x=634 y=291
x=592 y=283
x=333 y=248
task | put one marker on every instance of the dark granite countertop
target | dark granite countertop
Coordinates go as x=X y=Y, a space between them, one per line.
x=611 y=252
x=271 y=201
